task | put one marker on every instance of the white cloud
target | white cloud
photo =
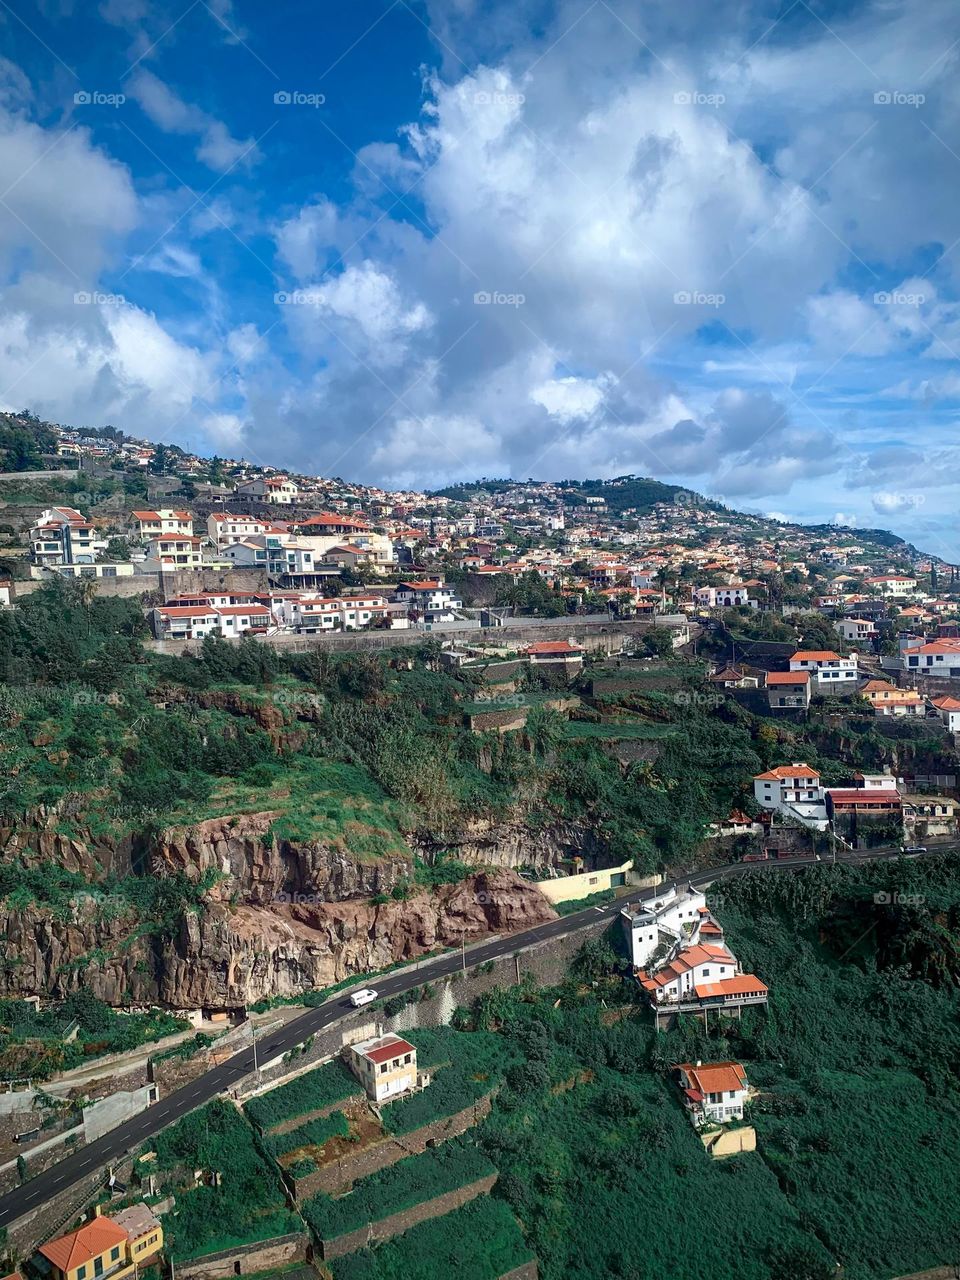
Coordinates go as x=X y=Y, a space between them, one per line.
x=216 y=148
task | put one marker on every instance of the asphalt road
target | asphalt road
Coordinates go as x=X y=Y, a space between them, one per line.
x=105 y=1150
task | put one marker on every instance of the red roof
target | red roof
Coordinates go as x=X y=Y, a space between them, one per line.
x=85 y=1244
x=863 y=795
x=815 y=655
x=385 y=1052
x=745 y=985
x=554 y=646
x=788 y=677
x=784 y=771
x=715 y=1077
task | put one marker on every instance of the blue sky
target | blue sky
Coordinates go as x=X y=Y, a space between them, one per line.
x=427 y=240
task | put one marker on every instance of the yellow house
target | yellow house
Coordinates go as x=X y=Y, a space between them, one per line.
x=111 y=1247
x=387 y=1066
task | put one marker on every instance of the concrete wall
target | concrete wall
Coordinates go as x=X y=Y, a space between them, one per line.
x=100 y=1117
x=395 y=1223
x=567 y=888
x=249 y=1258
x=336 y=1178
x=729 y=1142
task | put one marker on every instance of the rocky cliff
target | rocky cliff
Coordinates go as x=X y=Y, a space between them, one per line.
x=224 y=956
x=268 y=917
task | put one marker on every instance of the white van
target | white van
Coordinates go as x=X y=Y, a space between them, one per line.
x=362 y=997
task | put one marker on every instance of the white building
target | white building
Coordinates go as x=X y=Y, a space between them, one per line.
x=893 y=584
x=224 y=529
x=310 y=616
x=788 y=784
x=386 y=1066
x=675 y=914
x=948 y=709
x=275 y=489
x=173 y=551
x=713 y=1092
x=430 y=598
x=938 y=658
x=732 y=596
x=856 y=630
x=62 y=536
x=827 y=667
x=151 y=524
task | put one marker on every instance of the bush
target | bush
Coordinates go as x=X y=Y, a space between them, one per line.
x=310 y=1092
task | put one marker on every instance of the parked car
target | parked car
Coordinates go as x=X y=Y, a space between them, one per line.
x=913 y=848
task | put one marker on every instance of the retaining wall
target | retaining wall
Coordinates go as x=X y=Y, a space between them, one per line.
x=247 y=1259
x=340 y=1176
x=395 y=1223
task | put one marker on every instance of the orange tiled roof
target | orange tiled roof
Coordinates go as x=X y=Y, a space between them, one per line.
x=716 y=1077
x=84 y=1244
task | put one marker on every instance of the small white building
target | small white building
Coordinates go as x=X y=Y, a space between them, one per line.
x=151 y=524
x=948 y=709
x=386 y=1066
x=224 y=529
x=826 y=667
x=787 y=784
x=675 y=914
x=856 y=630
x=431 y=598
x=730 y=597
x=173 y=551
x=713 y=1092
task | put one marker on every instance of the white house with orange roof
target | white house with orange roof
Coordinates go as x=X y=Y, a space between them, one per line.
x=429 y=597
x=826 y=667
x=279 y=490
x=151 y=524
x=173 y=551
x=224 y=528
x=948 y=709
x=787 y=784
x=856 y=630
x=674 y=914
x=713 y=1092
x=892 y=584
x=935 y=658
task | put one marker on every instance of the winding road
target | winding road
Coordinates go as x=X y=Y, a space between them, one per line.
x=100 y=1153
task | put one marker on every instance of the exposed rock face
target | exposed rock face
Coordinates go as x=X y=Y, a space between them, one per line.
x=263 y=871
x=224 y=957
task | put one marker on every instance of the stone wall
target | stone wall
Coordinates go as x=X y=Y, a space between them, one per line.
x=339 y=1177
x=526 y=1271
x=395 y=1223
x=247 y=1259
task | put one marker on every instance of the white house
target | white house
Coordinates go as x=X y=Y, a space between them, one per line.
x=938 y=658
x=855 y=630
x=827 y=667
x=224 y=529
x=275 y=489
x=151 y=524
x=713 y=1092
x=666 y=918
x=173 y=551
x=338 y=613
x=787 y=784
x=62 y=536
x=386 y=1066
x=948 y=710
x=193 y=622
x=431 y=598
x=892 y=584
x=732 y=596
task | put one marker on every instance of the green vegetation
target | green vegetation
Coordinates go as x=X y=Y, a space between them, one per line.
x=246 y=1205
x=312 y=1091
x=32 y=1044
x=399 y=1187
x=466 y=1068
x=480 y=1241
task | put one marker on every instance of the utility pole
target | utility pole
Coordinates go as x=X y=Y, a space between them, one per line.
x=463 y=949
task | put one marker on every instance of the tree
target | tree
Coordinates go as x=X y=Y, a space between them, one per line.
x=160 y=462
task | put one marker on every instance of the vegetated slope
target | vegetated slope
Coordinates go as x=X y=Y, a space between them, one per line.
x=858 y=1116
x=308 y=816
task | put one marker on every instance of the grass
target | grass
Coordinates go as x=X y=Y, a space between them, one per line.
x=310 y=1092
x=612 y=731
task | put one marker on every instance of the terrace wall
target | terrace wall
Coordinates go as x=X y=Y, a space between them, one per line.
x=247 y=1259
x=395 y=1223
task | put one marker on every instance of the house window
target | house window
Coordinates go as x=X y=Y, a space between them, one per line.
x=81 y=1272
x=115 y=1254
